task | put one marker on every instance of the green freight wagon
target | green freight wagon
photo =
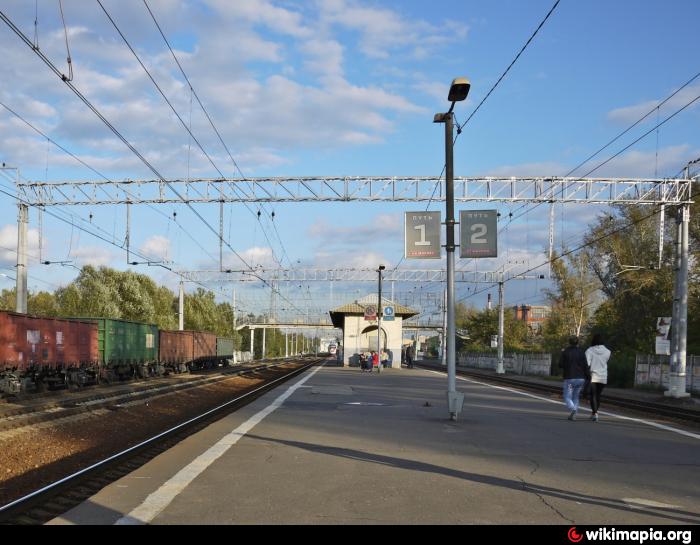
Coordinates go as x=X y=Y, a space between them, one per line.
x=127 y=349
x=224 y=350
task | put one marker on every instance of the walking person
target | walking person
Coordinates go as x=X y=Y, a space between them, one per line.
x=375 y=361
x=597 y=356
x=575 y=365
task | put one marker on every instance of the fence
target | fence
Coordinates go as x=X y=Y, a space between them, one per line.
x=653 y=370
x=521 y=364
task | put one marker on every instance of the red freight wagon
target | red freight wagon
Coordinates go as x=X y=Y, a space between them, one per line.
x=204 y=348
x=182 y=349
x=37 y=351
x=175 y=349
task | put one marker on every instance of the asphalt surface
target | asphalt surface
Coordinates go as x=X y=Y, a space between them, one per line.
x=348 y=447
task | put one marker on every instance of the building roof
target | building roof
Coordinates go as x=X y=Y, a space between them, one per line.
x=358 y=307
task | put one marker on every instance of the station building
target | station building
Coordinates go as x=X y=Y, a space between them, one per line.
x=360 y=333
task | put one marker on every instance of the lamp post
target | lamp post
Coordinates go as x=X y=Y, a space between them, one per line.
x=379 y=319
x=458 y=92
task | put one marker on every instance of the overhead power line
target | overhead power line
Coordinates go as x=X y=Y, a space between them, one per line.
x=118 y=134
x=569 y=252
x=522 y=49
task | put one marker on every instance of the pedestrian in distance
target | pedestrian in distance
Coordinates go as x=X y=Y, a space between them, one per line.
x=375 y=361
x=575 y=366
x=597 y=357
x=409 y=357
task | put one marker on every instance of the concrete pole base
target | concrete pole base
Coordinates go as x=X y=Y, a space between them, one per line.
x=455 y=402
x=676 y=387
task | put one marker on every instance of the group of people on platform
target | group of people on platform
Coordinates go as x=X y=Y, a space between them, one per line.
x=373 y=360
x=584 y=371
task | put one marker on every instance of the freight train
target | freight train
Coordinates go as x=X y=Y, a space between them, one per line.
x=38 y=352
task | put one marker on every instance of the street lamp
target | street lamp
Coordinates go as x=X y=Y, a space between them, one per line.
x=458 y=92
x=379 y=319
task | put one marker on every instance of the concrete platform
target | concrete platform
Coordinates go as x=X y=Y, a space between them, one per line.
x=342 y=446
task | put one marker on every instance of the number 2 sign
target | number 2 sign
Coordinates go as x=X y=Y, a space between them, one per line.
x=478 y=233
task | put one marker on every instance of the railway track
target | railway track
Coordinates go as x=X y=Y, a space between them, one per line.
x=45 y=409
x=54 y=499
x=646 y=407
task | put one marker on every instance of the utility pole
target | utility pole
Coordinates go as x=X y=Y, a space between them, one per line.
x=181 y=307
x=263 y=343
x=21 y=295
x=679 y=321
x=501 y=322
x=444 y=329
x=379 y=319
x=234 y=324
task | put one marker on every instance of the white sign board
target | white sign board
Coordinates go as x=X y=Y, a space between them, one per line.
x=663 y=336
x=422 y=235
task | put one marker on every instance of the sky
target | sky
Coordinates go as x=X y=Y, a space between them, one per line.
x=330 y=88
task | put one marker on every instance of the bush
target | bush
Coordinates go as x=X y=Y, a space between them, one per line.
x=621 y=370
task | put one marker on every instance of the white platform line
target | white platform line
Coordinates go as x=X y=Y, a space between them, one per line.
x=156 y=502
x=638 y=420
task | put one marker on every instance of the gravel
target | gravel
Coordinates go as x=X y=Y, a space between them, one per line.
x=38 y=455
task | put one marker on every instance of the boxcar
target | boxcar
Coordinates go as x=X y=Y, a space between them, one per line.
x=38 y=351
x=126 y=349
x=224 y=349
x=204 y=350
x=182 y=350
x=175 y=350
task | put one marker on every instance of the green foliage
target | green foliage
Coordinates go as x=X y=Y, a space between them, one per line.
x=482 y=324
x=622 y=257
x=107 y=293
x=621 y=369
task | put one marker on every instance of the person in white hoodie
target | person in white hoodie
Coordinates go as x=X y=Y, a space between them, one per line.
x=597 y=357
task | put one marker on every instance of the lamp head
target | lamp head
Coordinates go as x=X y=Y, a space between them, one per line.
x=459 y=89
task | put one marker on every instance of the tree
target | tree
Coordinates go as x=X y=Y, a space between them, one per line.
x=573 y=298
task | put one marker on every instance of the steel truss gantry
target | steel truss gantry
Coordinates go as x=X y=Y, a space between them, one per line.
x=357 y=188
x=340 y=275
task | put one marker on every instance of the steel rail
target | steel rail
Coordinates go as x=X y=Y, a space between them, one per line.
x=31 y=500
x=657 y=409
x=14 y=418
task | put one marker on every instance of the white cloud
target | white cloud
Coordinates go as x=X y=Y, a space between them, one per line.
x=384 y=31
x=156 y=247
x=630 y=114
x=91 y=255
x=255 y=257
x=388 y=226
x=8 y=245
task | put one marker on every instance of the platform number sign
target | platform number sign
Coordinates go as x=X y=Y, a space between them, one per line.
x=422 y=235
x=478 y=233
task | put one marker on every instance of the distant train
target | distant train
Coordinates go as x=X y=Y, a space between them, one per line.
x=332 y=349
x=39 y=352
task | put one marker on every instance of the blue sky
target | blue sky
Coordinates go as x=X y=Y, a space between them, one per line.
x=337 y=87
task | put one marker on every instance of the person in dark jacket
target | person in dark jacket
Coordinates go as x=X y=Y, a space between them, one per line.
x=576 y=373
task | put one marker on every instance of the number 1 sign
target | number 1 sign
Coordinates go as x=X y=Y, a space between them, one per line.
x=422 y=235
x=478 y=233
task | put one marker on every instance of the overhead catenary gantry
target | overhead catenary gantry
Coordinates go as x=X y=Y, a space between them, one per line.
x=339 y=275
x=358 y=188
